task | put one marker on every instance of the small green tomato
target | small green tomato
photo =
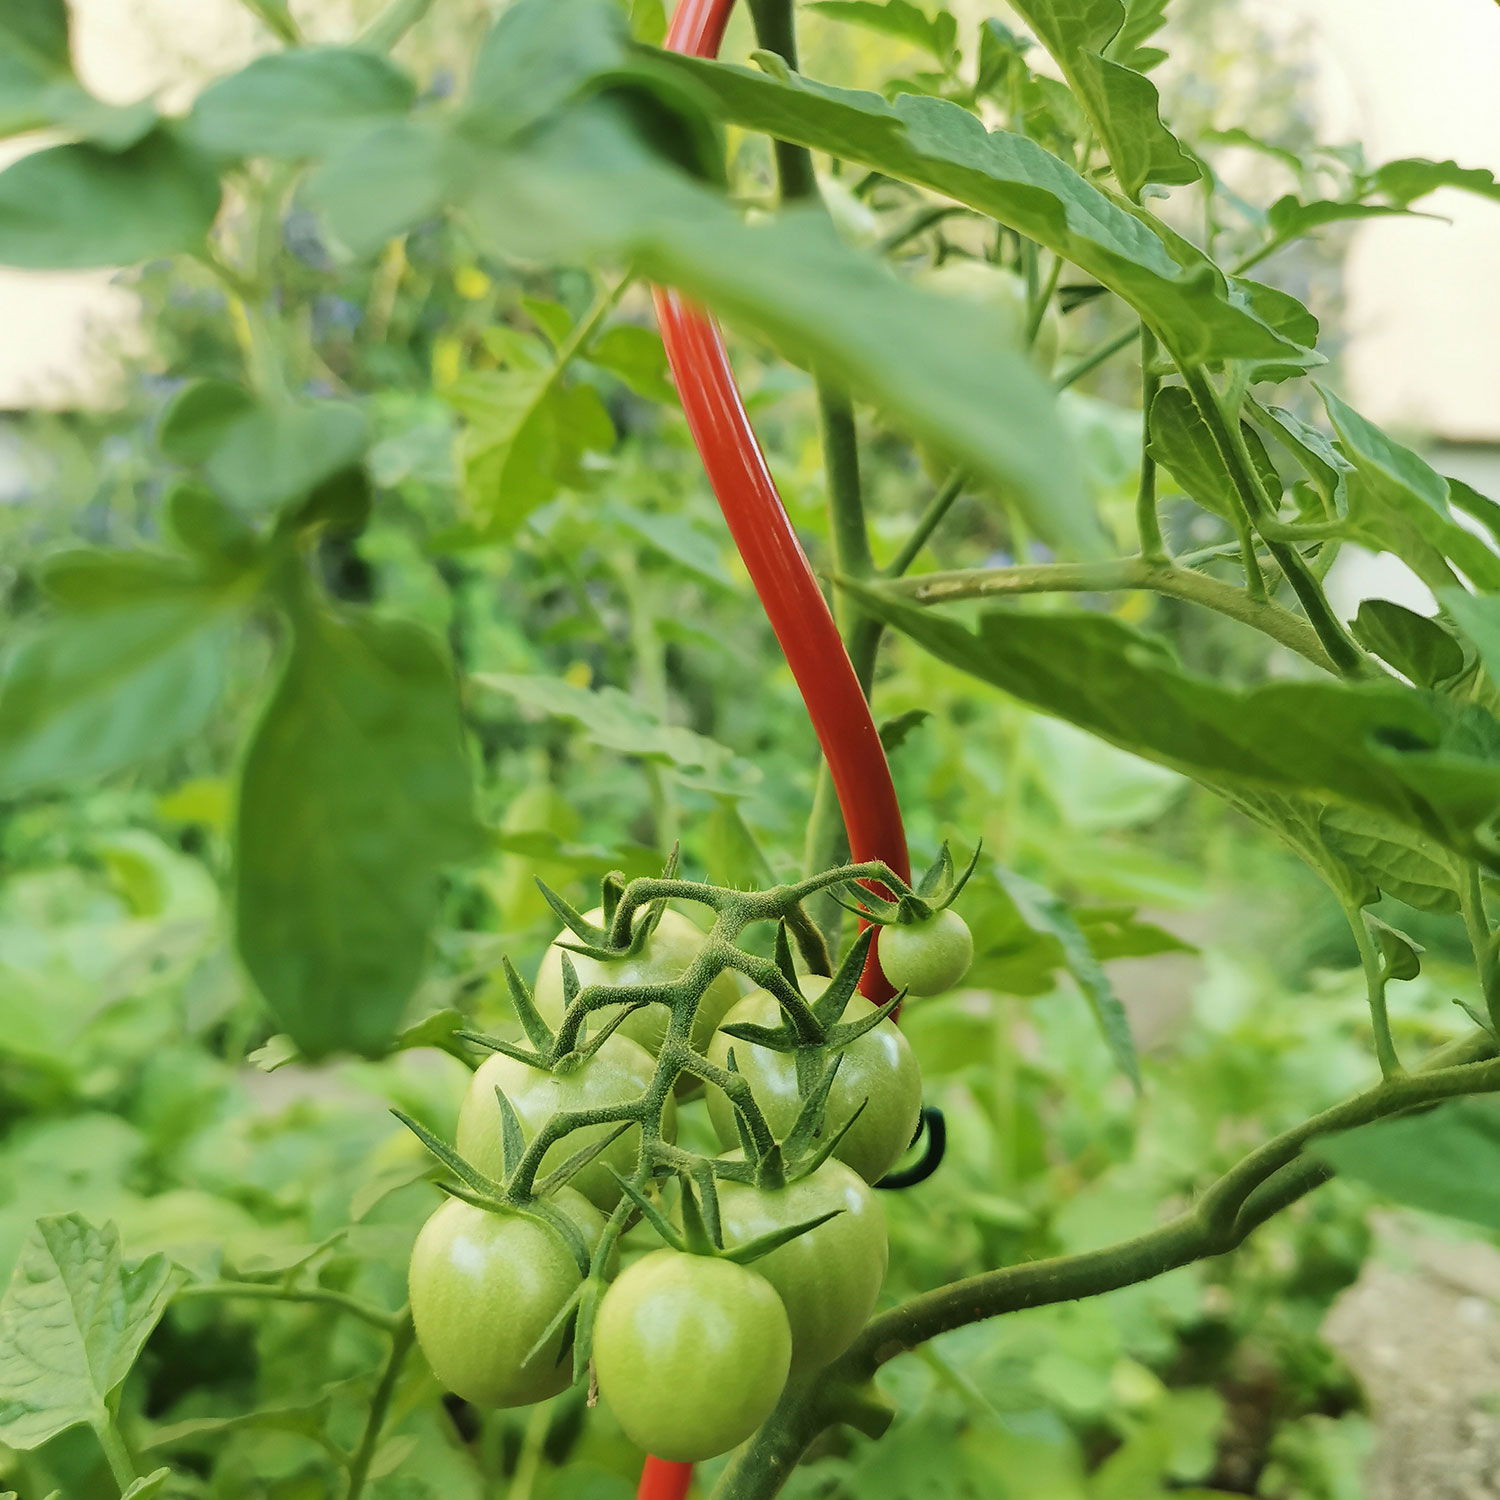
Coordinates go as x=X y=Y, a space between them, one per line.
x=927 y=957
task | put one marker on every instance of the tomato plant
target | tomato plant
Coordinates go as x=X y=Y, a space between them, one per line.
x=928 y=956
x=674 y=1323
x=878 y=1085
x=485 y=1290
x=616 y=1074
x=828 y=1278
x=379 y=609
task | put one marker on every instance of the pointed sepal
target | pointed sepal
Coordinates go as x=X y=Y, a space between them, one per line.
x=574 y=1164
x=538 y=1032
x=774 y=1239
x=465 y=1171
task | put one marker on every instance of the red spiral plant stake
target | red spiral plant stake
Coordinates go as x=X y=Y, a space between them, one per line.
x=793 y=601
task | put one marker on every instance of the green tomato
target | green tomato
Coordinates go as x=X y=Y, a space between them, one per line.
x=669 y=950
x=691 y=1353
x=617 y=1073
x=1003 y=293
x=484 y=1287
x=927 y=957
x=827 y=1279
x=879 y=1067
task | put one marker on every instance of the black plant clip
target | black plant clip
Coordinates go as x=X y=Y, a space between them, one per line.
x=932 y=1124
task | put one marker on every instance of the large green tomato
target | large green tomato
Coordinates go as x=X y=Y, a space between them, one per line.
x=669 y=950
x=880 y=1066
x=617 y=1073
x=927 y=957
x=691 y=1353
x=1001 y=292
x=828 y=1278
x=484 y=1287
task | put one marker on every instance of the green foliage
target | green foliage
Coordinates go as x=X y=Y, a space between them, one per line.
x=1441 y=1162
x=355 y=794
x=73 y=1322
x=393 y=583
x=75 y=207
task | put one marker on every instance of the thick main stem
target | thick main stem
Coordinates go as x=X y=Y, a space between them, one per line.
x=1262 y=1183
x=1342 y=651
x=1281 y=625
x=359 y=1466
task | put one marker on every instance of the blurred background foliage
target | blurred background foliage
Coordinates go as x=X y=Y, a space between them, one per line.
x=625 y=694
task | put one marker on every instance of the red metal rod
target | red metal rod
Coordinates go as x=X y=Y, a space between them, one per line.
x=661 y=1480
x=793 y=602
x=788 y=590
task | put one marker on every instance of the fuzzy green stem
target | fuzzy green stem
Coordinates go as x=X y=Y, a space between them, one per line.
x=266 y=1291
x=1269 y=1178
x=402 y=1338
x=1281 y=625
x=1481 y=941
x=1147 y=521
x=1342 y=650
x=776 y=31
x=1375 y=981
x=387 y=28
x=928 y=522
x=1096 y=357
x=116 y=1454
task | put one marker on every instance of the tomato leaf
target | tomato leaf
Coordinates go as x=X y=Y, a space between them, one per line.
x=1181 y=444
x=1394 y=750
x=80 y=207
x=1446 y=1161
x=304 y=102
x=898 y=18
x=941 y=146
x=1399 y=503
x=129 y=673
x=1044 y=912
x=1122 y=105
x=1417 y=647
x=1402 y=861
x=72 y=1323
x=354 y=796
x=618 y=721
x=261 y=454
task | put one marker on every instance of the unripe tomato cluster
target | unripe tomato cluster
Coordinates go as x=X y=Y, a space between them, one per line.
x=690 y=1347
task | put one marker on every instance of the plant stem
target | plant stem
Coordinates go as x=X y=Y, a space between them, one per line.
x=386 y=29
x=1268 y=1179
x=121 y=1467
x=1092 y=360
x=263 y=1291
x=776 y=31
x=1042 y=300
x=1342 y=650
x=1281 y=625
x=579 y=336
x=919 y=223
x=402 y=1338
x=276 y=18
x=1147 y=522
x=1481 y=940
x=928 y=522
x=1375 y=980
x=846 y=512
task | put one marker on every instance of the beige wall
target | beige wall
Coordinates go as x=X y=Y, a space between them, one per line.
x=1420 y=80
x=62 y=331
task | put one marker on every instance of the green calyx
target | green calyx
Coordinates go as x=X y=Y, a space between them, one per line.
x=937 y=887
x=701 y=1232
